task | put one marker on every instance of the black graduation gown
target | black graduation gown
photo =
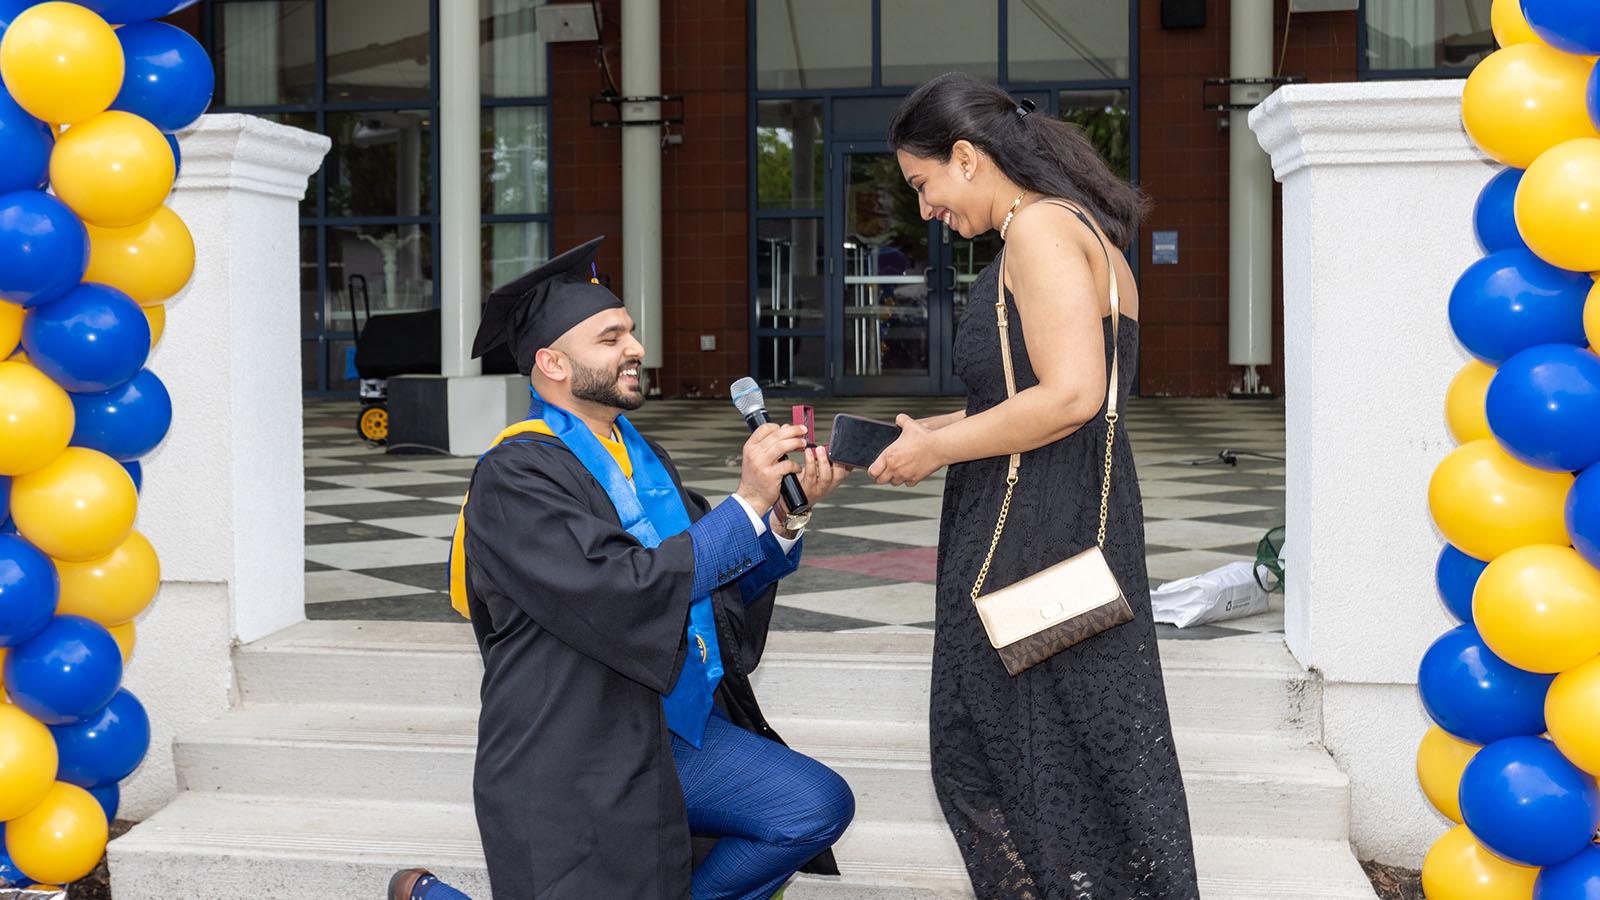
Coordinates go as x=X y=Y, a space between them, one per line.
x=582 y=630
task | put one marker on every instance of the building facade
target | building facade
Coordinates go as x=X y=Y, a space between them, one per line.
x=792 y=250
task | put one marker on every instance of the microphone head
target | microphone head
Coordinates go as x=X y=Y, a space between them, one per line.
x=747 y=396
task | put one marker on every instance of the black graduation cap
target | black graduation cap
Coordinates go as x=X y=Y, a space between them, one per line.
x=534 y=310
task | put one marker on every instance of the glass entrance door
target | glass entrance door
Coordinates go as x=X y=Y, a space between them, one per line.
x=888 y=321
x=899 y=284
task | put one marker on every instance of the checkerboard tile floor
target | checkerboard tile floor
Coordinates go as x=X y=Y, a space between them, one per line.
x=378 y=525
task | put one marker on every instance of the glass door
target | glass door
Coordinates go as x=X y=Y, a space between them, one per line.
x=889 y=312
x=961 y=260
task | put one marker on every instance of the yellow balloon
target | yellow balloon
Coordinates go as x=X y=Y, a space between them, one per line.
x=113 y=589
x=1569 y=712
x=114 y=170
x=1591 y=318
x=149 y=261
x=1457 y=867
x=1510 y=27
x=61 y=62
x=1464 y=409
x=1441 y=758
x=10 y=327
x=126 y=636
x=1486 y=503
x=79 y=507
x=156 y=313
x=1558 y=205
x=1538 y=608
x=36 y=418
x=61 y=839
x=1525 y=99
x=27 y=762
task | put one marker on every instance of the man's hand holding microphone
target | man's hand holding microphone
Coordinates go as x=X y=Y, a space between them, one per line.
x=766 y=464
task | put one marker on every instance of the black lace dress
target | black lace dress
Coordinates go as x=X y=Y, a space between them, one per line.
x=1061 y=783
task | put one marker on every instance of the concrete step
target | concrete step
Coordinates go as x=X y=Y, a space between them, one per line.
x=228 y=847
x=1237 y=784
x=1246 y=685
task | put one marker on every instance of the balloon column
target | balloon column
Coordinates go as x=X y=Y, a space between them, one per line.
x=88 y=255
x=1514 y=690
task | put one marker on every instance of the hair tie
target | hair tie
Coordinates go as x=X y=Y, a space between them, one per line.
x=1025 y=107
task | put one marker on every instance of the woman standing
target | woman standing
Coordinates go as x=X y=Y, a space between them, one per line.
x=1060 y=782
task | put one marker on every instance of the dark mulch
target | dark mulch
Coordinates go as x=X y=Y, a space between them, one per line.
x=1391 y=882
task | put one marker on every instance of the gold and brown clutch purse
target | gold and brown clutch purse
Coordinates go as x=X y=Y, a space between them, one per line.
x=1045 y=613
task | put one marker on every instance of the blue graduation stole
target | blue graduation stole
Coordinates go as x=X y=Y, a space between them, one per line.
x=651 y=509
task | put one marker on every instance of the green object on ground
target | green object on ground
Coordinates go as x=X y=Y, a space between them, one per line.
x=1269 y=556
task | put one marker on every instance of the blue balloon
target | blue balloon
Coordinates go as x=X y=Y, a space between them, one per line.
x=1512 y=300
x=168 y=79
x=136 y=472
x=92 y=340
x=1583 y=515
x=1526 y=802
x=1543 y=405
x=8 y=526
x=1493 y=218
x=1457 y=574
x=1570 y=26
x=122 y=12
x=10 y=875
x=125 y=422
x=29 y=589
x=44 y=249
x=1577 y=878
x=28 y=143
x=107 y=746
x=177 y=154
x=5 y=496
x=110 y=797
x=1594 y=96
x=66 y=672
x=1477 y=696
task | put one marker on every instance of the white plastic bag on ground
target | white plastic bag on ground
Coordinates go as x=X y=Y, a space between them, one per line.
x=1227 y=592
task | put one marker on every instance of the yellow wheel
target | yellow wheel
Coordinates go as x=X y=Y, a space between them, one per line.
x=373 y=424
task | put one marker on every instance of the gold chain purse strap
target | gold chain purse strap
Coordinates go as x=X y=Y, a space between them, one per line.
x=1011 y=391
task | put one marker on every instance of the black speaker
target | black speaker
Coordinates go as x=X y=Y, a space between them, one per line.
x=1183 y=13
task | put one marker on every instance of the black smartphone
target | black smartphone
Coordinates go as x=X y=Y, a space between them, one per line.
x=857 y=441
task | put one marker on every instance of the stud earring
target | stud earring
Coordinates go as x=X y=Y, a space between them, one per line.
x=968 y=173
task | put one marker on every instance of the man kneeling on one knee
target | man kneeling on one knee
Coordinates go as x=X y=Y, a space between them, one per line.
x=620 y=616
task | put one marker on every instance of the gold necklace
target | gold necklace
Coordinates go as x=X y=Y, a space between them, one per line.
x=1011 y=212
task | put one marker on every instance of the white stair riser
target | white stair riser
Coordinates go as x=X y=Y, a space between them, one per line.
x=140 y=875
x=1228 y=805
x=1218 y=701
x=1221 y=701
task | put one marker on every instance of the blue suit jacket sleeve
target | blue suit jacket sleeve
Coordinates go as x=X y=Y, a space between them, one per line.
x=774 y=566
x=725 y=547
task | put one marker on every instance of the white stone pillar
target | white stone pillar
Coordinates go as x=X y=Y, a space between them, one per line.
x=460 y=269
x=223 y=499
x=1379 y=182
x=1249 y=197
x=641 y=175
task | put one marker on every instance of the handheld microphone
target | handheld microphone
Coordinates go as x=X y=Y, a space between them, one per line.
x=748 y=400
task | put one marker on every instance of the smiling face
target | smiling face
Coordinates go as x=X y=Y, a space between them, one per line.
x=602 y=360
x=945 y=193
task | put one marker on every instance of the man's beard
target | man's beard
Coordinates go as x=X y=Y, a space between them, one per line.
x=600 y=386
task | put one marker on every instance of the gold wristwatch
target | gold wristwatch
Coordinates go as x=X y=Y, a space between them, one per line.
x=796 y=522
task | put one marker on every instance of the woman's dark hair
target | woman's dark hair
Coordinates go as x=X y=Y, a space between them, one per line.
x=1041 y=154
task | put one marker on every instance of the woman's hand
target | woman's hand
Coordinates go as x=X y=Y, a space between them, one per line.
x=818 y=479
x=911 y=458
